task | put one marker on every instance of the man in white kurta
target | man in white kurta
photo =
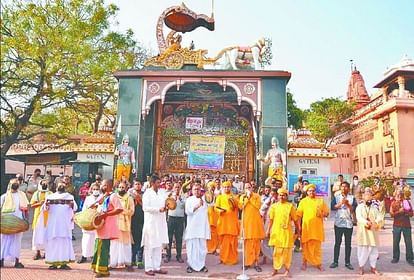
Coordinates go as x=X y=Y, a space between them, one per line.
x=89 y=236
x=198 y=230
x=15 y=203
x=369 y=222
x=58 y=234
x=154 y=233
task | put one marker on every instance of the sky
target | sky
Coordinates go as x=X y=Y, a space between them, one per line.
x=313 y=39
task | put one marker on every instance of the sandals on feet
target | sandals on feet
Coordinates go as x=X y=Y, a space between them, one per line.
x=258 y=268
x=204 y=269
x=190 y=270
x=19 y=265
x=65 y=267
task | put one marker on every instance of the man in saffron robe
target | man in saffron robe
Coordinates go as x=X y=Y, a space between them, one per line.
x=281 y=215
x=228 y=225
x=110 y=207
x=253 y=227
x=311 y=212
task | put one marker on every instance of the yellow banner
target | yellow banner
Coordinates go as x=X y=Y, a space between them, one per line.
x=207 y=144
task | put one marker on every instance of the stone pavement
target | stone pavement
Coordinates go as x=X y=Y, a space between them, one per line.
x=38 y=269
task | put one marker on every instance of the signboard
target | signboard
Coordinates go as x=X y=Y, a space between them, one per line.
x=39 y=148
x=321 y=183
x=193 y=123
x=206 y=152
x=43 y=159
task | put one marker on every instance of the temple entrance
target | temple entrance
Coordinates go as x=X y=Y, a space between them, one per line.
x=204 y=109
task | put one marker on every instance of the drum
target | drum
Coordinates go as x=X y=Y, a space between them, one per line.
x=170 y=203
x=89 y=219
x=209 y=196
x=10 y=224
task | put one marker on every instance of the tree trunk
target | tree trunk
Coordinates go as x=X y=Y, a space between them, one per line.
x=3 y=172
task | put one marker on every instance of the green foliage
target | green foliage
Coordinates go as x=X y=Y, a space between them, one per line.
x=387 y=180
x=325 y=119
x=267 y=56
x=57 y=64
x=295 y=115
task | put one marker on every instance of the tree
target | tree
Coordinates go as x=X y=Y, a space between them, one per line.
x=326 y=119
x=295 y=115
x=57 y=60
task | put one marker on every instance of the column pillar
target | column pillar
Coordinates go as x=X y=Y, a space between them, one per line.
x=274 y=117
x=129 y=109
x=401 y=86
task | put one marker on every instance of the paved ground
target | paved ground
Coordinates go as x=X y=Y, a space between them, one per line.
x=38 y=269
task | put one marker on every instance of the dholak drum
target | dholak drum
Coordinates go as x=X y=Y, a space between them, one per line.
x=170 y=203
x=89 y=219
x=266 y=249
x=10 y=224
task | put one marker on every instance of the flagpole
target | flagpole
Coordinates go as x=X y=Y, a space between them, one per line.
x=243 y=276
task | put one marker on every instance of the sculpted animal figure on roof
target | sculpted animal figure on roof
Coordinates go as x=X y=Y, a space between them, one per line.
x=242 y=57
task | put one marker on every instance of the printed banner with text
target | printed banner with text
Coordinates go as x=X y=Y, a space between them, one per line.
x=206 y=152
x=321 y=183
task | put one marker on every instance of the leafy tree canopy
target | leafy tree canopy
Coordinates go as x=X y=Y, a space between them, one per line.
x=325 y=118
x=57 y=64
x=295 y=115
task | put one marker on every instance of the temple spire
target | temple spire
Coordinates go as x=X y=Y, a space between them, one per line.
x=357 y=93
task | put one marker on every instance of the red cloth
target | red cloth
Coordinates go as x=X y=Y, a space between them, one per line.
x=83 y=192
x=401 y=219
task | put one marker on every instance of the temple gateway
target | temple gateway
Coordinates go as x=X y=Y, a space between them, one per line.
x=188 y=113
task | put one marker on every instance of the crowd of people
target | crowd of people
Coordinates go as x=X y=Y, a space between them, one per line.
x=140 y=229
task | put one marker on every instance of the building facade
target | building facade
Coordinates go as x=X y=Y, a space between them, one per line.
x=382 y=137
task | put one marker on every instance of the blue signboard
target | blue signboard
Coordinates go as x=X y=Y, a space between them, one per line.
x=321 y=183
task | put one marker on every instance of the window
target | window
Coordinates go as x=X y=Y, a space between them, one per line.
x=308 y=171
x=388 y=158
x=370 y=161
x=356 y=165
x=377 y=160
x=386 y=127
x=365 y=163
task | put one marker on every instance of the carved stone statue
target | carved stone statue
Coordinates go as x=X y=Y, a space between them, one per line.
x=276 y=158
x=126 y=160
x=235 y=57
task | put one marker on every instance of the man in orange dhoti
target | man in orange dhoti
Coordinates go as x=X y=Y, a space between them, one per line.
x=213 y=243
x=227 y=225
x=253 y=226
x=311 y=212
x=281 y=215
